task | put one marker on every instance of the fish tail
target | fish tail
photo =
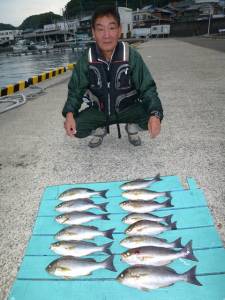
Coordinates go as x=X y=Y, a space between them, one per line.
x=168 y=203
x=108 y=264
x=173 y=225
x=168 y=195
x=103 y=193
x=105 y=248
x=191 y=276
x=105 y=217
x=108 y=233
x=168 y=219
x=102 y=206
x=157 y=177
x=177 y=243
x=189 y=251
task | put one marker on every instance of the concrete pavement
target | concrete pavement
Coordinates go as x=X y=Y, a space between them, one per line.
x=35 y=152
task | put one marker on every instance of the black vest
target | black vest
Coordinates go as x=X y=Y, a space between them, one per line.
x=110 y=82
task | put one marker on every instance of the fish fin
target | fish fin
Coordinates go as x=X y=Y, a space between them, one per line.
x=168 y=219
x=102 y=206
x=67 y=277
x=168 y=195
x=106 y=247
x=103 y=193
x=108 y=264
x=108 y=233
x=191 y=276
x=168 y=203
x=63 y=269
x=173 y=225
x=105 y=217
x=144 y=289
x=64 y=222
x=157 y=177
x=188 y=249
x=177 y=243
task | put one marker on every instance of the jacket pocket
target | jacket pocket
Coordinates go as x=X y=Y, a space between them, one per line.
x=95 y=78
x=122 y=79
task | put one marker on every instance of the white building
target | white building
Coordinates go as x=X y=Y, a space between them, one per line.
x=70 y=25
x=126 y=21
x=9 y=35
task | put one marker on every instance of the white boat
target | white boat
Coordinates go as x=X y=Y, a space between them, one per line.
x=40 y=46
x=20 y=47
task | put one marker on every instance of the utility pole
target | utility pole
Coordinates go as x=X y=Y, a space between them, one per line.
x=210 y=15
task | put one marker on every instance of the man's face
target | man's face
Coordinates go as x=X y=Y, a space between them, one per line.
x=106 y=33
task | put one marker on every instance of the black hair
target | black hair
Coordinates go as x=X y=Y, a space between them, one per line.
x=103 y=11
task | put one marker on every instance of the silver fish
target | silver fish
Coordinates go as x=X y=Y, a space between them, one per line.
x=143 y=241
x=72 y=267
x=79 y=248
x=81 y=232
x=80 y=193
x=139 y=183
x=156 y=256
x=143 y=206
x=141 y=194
x=145 y=227
x=79 y=205
x=134 y=217
x=76 y=218
x=148 y=278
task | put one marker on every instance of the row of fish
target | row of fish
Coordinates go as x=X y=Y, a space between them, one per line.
x=72 y=242
x=147 y=254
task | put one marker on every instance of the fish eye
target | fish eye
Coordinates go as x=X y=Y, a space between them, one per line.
x=128 y=253
x=122 y=275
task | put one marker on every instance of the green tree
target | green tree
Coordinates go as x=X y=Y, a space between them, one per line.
x=38 y=21
x=7 y=27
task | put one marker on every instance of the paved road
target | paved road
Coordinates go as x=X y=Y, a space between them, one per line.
x=212 y=43
x=35 y=152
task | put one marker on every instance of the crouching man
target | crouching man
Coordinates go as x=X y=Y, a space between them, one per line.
x=118 y=86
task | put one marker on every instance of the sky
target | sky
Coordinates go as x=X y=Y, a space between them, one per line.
x=14 y=12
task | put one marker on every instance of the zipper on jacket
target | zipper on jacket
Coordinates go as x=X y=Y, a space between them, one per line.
x=108 y=83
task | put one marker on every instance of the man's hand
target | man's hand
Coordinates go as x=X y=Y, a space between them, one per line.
x=70 y=125
x=154 y=126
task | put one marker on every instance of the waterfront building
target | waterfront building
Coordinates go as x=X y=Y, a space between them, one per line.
x=8 y=36
x=126 y=21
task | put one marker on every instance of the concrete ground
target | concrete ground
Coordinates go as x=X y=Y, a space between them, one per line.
x=36 y=153
x=212 y=42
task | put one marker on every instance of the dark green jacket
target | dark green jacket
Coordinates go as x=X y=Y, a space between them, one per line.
x=140 y=76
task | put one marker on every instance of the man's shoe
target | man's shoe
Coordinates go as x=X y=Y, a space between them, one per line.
x=133 y=136
x=98 y=136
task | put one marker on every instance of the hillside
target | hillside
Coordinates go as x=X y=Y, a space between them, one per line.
x=38 y=21
x=7 y=27
x=81 y=8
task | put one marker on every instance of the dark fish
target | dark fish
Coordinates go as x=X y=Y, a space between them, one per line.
x=80 y=193
x=134 y=217
x=142 y=194
x=143 y=206
x=146 y=227
x=81 y=232
x=72 y=267
x=79 y=205
x=76 y=218
x=143 y=241
x=156 y=256
x=148 y=278
x=139 y=183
